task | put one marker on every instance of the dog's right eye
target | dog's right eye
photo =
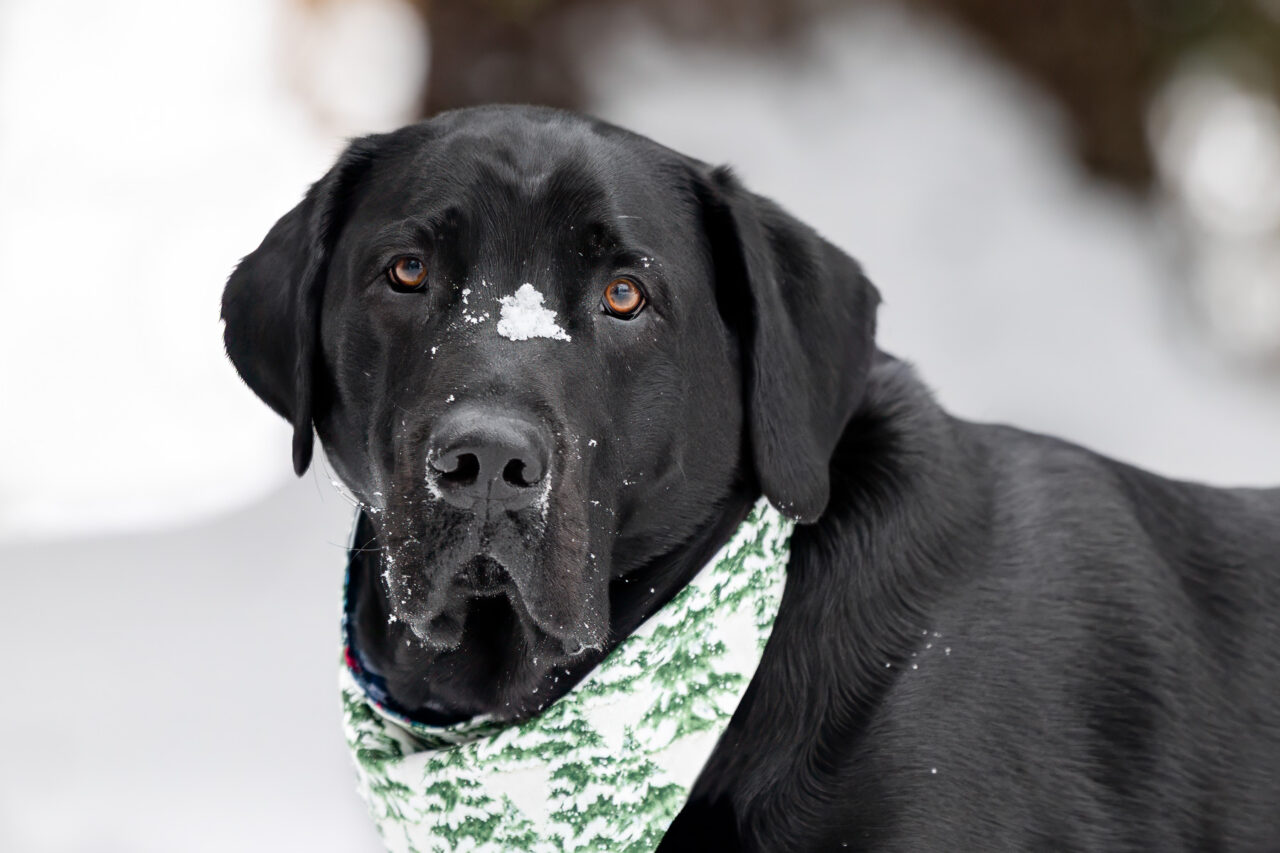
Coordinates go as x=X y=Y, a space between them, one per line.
x=623 y=298
x=407 y=274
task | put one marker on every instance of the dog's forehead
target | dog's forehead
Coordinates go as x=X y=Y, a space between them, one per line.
x=498 y=164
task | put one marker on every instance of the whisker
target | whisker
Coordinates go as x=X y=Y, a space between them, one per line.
x=339 y=487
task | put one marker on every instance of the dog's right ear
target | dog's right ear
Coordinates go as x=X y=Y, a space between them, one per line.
x=806 y=316
x=271 y=304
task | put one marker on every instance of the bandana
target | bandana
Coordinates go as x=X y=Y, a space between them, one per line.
x=609 y=764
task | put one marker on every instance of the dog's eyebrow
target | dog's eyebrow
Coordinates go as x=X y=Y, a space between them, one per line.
x=409 y=230
x=422 y=224
x=634 y=255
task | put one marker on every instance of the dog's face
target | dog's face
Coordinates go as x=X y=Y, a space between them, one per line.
x=545 y=354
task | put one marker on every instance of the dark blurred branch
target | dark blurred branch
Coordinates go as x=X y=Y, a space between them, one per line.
x=529 y=51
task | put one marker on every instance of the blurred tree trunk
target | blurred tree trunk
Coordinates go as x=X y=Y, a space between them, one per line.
x=488 y=51
x=1090 y=55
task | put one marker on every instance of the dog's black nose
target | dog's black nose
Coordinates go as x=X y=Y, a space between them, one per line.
x=481 y=456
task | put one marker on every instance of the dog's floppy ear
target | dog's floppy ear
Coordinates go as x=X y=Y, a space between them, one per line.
x=271 y=305
x=807 y=332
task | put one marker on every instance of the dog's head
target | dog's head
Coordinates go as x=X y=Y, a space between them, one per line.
x=546 y=354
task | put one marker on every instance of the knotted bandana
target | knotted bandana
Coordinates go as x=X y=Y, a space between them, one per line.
x=608 y=765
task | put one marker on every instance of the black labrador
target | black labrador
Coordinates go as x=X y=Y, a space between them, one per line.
x=990 y=640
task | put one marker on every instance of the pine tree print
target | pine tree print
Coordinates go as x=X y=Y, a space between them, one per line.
x=376 y=752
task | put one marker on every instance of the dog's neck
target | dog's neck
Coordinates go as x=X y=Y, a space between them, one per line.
x=630 y=599
x=859 y=592
x=640 y=594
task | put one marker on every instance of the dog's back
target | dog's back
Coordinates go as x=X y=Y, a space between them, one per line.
x=1125 y=639
x=1104 y=671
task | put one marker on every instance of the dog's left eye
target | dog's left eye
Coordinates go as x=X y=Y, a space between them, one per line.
x=407 y=273
x=623 y=298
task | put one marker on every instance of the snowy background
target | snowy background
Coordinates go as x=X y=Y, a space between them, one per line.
x=171 y=591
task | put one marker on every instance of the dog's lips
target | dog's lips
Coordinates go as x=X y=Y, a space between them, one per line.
x=441 y=620
x=437 y=613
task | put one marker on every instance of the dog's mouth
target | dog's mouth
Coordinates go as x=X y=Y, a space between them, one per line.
x=442 y=617
x=496 y=665
x=439 y=559
x=481 y=579
x=475 y=645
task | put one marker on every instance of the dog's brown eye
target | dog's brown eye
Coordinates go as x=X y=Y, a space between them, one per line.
x=623 y=298
x=407 y=273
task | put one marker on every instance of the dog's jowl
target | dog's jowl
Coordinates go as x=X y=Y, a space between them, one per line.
x=620 y=432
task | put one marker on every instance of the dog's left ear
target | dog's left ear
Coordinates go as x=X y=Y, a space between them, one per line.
x=271 y=305
x=807 y=333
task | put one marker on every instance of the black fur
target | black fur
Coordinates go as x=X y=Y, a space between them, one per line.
x=990 y=640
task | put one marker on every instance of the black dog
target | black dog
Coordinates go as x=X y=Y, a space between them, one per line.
x=990 y=640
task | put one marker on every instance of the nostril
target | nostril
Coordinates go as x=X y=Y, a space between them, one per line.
x=516 y=473
x=465 y=471
x=482 y=459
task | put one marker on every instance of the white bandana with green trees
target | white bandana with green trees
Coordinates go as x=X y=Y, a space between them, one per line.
x=607 y=766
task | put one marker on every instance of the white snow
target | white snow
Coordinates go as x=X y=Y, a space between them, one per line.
x=524 y=317
x=474 y=318
x=153 y=167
